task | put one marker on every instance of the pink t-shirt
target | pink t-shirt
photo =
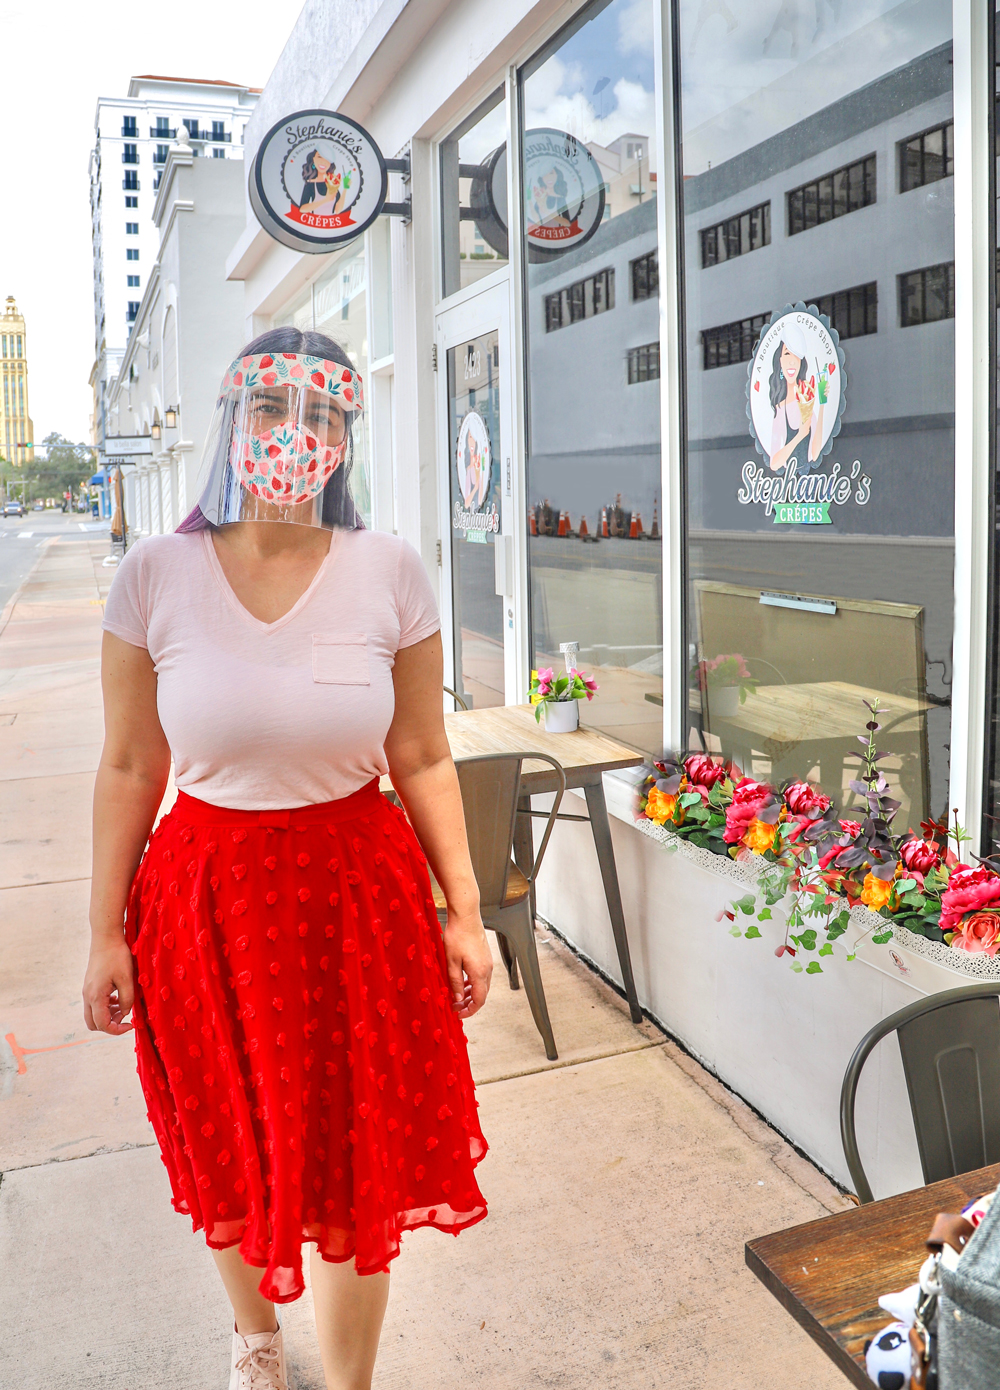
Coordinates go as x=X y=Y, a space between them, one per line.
x=266 y=716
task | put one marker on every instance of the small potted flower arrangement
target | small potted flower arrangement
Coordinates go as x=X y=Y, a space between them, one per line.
x=726 y=682
x=558 y=697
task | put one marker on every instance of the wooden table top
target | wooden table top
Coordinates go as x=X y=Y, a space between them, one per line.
x=584 y=754
x=818 y=710
x=829 y=1274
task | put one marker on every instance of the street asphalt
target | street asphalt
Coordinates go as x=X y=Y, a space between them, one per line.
x=21 y=539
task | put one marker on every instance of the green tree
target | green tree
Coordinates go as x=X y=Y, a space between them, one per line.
x=65 y=466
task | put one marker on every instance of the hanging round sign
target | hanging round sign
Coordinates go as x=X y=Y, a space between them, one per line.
x=474 y=466
x=317 y=181
x=563 y=194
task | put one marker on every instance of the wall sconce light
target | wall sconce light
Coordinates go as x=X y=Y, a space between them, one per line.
x=170 y=417
x=155 y=430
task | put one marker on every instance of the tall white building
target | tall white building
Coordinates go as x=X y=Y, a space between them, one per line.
x=133 y=135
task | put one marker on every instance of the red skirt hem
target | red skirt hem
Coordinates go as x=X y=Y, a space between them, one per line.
x=305 y=1074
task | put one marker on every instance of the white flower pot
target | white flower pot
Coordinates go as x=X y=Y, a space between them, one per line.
x=562 y=716
x=723 y=701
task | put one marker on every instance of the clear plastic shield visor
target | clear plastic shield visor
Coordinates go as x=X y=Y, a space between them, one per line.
x=284 y=442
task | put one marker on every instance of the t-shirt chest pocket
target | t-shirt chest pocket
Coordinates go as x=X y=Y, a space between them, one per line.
x=340 y=660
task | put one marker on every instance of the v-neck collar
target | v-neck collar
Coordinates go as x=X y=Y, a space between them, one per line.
x=215 y=565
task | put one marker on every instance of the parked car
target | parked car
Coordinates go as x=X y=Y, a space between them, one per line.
x=38 y=507
x=13 y=509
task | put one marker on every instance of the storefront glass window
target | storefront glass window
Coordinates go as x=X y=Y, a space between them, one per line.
x=592 y=332
x=818 y=191
x=474 y=197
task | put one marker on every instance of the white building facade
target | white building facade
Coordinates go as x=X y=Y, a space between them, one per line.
x=186 y=332
x=750 y=162
x=133 y=135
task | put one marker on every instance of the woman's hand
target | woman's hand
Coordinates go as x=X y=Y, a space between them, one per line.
x=109 y=987
x=470 y=963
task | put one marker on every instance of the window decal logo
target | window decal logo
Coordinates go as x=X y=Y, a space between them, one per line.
x=474 y=466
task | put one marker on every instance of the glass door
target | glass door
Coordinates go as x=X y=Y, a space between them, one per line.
x=475 y=487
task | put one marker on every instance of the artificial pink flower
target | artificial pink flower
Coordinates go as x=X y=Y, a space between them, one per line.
x=803 y=797
x=969 y=890
x=979 y=934
x=702 y=772
x=851 y=827
x=749 y=799
x=920 y=856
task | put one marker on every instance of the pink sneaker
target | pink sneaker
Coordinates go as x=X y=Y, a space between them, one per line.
x=258 y=1362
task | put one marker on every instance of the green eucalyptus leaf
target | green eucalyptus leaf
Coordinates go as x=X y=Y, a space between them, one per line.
x=814 y=968
x=826 y=949
x=751 y=933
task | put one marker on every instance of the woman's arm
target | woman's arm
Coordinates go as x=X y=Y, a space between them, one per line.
x=423 y=774
x=130 y=783
x=816 y=434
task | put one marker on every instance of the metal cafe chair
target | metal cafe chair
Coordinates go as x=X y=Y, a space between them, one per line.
x=490 y=787
x=950 y=1047
x=456 y=697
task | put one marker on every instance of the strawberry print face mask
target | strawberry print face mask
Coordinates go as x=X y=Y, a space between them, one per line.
x=284 y=463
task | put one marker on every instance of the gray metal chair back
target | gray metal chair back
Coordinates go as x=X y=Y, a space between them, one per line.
x=950 y=1047
x=456 y=697
x=491 y=785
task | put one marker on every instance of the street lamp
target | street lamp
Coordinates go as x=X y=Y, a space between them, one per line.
x=155 y=429
x=170 y=417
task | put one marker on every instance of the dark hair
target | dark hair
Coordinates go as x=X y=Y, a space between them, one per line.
x=309 y=170
x=778 y=381
x=338 y=504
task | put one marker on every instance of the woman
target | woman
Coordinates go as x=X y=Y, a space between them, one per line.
x=321 y=190
x=296 y=1010
x=793 y=401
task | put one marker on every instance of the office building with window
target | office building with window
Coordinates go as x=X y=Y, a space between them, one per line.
x=756 y=269
x=133 y=135
x=17 y=433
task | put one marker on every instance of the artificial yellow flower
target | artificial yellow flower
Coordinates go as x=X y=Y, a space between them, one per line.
x=875 y=891
x=759 y=836
x=660 y=806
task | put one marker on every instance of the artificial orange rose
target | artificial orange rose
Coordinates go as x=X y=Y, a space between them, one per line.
x=660 y=806
x=759 y=836
x=875 y=892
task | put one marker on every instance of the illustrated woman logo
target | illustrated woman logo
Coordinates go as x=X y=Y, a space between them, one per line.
x=474 y=473
x=547 y=200
x=798 y=400
x=324 y=189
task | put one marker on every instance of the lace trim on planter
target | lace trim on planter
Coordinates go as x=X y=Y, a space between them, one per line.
x=748 y=869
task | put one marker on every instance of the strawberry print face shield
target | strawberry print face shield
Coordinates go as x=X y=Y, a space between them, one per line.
x=284 y=442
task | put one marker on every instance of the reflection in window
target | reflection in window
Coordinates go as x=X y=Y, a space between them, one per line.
x=853 y=312
x=756 y=126
x=474 y=197
x=593 y=433
x=644 y=363
x=845 y=190
x=580 y=301
x=731 y=342
x=747 y=231
x=927 y=157
x=927 y=295
x=645 y=277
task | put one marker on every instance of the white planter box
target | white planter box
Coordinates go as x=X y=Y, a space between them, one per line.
x=780 y=1040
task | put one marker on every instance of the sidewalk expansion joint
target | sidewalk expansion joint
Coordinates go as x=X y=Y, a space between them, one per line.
x=42 y=883
x=560 y=1062
x=74 y=1158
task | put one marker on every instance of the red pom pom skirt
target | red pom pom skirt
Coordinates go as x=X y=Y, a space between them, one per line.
x=305 y=1073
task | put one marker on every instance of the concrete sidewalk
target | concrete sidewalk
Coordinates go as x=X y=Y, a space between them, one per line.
x=622 y=1181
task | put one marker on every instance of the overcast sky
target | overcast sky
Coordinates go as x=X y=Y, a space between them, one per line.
x=59 y=57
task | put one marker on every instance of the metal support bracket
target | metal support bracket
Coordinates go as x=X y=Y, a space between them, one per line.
x=405 y=208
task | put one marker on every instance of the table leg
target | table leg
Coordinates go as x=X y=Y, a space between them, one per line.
x=601 y=827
